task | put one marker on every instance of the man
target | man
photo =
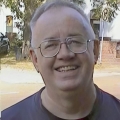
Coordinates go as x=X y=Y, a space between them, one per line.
x=64 y=51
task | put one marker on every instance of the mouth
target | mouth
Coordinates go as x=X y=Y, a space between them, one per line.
x=67 y=68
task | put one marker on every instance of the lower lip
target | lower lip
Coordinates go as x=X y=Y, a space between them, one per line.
x=69 y=75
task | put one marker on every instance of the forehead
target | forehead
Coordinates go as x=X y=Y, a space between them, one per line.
x=60 y=10
x=59 y=22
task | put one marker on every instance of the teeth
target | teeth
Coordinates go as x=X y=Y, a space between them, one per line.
x=66 y=68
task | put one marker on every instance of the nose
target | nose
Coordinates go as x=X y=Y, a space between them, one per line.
x=65 y=53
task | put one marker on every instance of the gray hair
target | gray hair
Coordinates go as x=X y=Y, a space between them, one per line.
x=54 y=3
x=57 y=3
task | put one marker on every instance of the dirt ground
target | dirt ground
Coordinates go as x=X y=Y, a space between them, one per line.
x=16 y=92
x=11 y=93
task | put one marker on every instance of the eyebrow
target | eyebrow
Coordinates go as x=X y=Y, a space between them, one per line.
x=74 y=34
x=49 y=38
x=69 y=35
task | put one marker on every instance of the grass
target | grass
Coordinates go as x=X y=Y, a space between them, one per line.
x=9 y=60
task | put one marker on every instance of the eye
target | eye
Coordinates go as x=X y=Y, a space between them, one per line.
x=74 y=42
x=51 y=44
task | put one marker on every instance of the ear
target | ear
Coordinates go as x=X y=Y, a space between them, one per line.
x=34 y=59
x=96 y=50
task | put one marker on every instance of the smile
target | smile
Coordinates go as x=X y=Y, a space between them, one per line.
x=67 y=68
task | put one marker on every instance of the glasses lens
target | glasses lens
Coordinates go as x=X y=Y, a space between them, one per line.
x=50 y=48
x=77 y=45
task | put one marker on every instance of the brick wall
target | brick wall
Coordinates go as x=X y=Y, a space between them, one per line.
x=109 y=53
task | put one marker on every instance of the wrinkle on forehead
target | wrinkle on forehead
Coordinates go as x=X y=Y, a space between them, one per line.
x=63 y=10
x=46 y=22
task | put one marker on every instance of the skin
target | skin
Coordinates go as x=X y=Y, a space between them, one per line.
x=71 y=94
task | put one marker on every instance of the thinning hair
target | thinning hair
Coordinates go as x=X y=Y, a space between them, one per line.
x=59 y=3
x=54 y=3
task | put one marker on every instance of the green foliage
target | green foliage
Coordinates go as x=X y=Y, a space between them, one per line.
x=17 y=43
x=105 y=9
x=17 y=5
x=23 y=10
x=107 y=13
x=79 y=1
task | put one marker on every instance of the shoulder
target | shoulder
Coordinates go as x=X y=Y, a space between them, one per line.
x=109 y=98
x=108 y=106
x=22 y=108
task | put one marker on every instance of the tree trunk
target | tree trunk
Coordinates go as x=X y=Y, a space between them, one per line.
x=29 y=9
x=26 y=38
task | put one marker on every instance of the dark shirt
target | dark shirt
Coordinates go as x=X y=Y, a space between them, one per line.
x=106 y=107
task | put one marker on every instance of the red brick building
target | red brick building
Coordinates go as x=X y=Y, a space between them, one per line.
x=110 y=52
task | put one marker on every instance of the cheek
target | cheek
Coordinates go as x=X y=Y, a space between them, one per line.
x=87 y=65
x=46 y=65
x=87 y=59
x=90 y=53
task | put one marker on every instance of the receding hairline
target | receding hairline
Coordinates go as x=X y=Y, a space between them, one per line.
x=54 y=4
x=60 y=3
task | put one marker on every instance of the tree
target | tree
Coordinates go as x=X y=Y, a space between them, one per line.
x=23 y=10
x=105 y=9
x=16 y=6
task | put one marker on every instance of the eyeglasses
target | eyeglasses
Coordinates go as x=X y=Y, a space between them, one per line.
x=50 y=48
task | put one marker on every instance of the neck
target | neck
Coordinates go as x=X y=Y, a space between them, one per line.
x=73 y=105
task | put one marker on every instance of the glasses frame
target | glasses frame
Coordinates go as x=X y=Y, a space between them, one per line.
x=61 y=42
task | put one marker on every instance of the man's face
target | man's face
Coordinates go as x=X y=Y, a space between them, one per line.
x=66 y=71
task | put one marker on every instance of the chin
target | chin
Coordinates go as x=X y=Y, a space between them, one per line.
x=68 y=86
